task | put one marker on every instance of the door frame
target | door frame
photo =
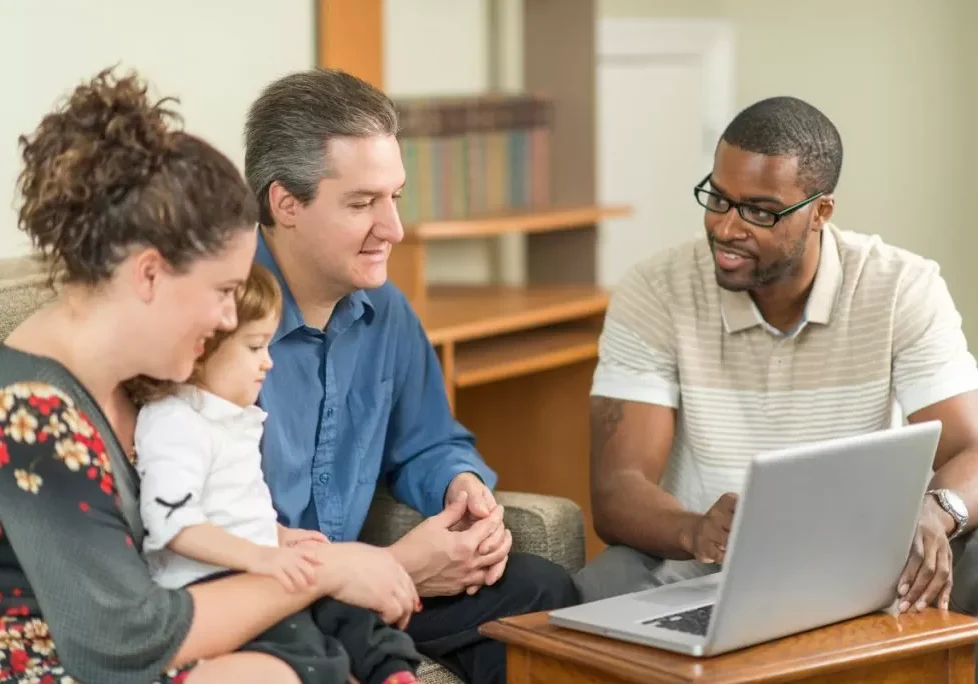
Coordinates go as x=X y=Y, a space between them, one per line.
x=711 y=41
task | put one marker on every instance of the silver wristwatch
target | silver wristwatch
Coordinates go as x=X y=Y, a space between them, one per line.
x=949 y=500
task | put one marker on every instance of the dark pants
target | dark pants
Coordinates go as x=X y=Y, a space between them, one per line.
x=330 y=640
x=964 y=590
x=446 y=629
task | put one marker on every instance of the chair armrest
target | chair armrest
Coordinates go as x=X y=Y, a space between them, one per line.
x=388 y=520
x=548 y=526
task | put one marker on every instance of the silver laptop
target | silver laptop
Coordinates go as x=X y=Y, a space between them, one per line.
x=820 y=535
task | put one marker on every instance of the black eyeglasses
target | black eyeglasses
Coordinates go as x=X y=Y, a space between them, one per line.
x=764 y=218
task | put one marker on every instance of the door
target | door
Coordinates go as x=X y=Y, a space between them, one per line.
x=665 y=93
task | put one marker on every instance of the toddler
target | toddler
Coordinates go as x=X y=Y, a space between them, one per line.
x=208 y=510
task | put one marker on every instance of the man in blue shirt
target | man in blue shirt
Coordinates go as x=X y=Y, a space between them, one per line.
x=356 y=395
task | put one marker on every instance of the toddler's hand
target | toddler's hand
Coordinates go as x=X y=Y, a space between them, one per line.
x=293 y=566
x=292 y=537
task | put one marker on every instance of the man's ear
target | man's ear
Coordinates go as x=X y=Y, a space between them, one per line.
x=283 y=205
x=146 y=269
x=824 y=207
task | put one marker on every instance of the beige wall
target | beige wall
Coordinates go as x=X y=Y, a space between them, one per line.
x=898 y=78
x=967 y=75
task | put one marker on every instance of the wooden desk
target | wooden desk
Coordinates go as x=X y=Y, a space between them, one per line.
x=931 y=647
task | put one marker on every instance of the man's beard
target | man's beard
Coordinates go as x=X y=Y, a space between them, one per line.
x=763 y=276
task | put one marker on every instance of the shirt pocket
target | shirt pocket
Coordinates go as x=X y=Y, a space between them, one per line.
x=370 y=410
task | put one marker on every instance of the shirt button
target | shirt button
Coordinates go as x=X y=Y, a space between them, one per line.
x=324 y=478
x=329 y=413
x=331 y=538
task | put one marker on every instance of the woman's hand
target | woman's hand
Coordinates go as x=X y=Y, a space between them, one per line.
x=369 y=577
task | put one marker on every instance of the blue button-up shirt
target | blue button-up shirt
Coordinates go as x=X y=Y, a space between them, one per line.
x=361 y=401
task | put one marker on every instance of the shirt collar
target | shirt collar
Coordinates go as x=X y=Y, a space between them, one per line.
x=218 y=408
x=352 y=307
x=740 y=313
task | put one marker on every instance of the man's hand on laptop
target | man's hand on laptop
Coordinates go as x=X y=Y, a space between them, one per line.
x=927 y=576
x=445 y=561
x=706 y=538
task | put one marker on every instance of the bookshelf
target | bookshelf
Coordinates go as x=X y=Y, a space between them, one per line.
x=517 y=360
x=526 y=222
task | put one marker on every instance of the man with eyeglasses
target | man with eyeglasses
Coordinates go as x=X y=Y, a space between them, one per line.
x=778 y=328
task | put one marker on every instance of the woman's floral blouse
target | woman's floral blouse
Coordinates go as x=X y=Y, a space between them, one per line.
x=76 y=599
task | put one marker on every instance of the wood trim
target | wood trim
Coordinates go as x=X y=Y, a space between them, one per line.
x=406 y=269
x=545 y=220
x=863 y=642
x=961 y=665
x=350 y=36
x=537 y=669
x=517 y=666
x=925 y=667
x=522 y=353
x=460 y=313
x=533 y=430
x=559 y=61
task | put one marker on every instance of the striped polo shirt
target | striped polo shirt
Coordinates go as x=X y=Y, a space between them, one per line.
x=880 y=335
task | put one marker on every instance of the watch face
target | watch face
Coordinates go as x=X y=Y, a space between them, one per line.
x=956 y=504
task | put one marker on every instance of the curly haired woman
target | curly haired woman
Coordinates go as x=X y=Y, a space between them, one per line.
x=149 y=231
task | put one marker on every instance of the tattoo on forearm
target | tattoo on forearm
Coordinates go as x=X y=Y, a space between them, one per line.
x=606 y=414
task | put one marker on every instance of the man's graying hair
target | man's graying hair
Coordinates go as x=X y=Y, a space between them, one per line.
x=292 y=122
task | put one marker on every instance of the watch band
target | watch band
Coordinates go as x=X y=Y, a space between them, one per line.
x=954 y=506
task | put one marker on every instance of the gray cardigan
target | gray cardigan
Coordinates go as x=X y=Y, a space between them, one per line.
x=71 y=519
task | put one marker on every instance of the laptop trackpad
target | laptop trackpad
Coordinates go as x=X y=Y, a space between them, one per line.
x=678 y=595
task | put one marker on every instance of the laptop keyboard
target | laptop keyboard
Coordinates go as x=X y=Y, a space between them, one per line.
x=693 y=621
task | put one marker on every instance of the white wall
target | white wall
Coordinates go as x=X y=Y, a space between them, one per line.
x=436 y=47
x=214 y=54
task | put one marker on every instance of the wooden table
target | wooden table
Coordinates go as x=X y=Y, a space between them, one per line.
x=930 y=647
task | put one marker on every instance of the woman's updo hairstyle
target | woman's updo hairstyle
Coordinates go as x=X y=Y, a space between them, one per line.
x=109 y=171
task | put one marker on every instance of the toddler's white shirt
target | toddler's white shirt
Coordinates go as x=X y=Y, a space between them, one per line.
x=199 y=461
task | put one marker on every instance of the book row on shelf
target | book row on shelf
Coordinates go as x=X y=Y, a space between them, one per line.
x=471 y=156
